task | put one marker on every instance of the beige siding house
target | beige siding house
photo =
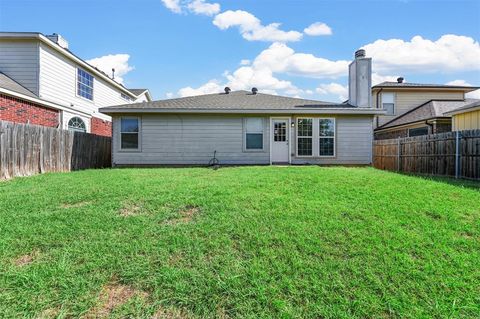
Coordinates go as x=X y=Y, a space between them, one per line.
x=244 y=127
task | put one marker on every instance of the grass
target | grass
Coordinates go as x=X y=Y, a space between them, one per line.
x=257 y=242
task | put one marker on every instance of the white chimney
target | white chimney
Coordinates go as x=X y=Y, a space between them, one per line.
x=58 y=39
x=360 y=80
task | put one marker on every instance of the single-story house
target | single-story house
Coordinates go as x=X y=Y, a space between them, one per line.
x=248 y=127
x=466 y=117
x=428 y=118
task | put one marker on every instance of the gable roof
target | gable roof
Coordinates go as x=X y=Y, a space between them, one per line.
x=137 y=92
x=234 y=102
x=12 y=85
x=408 y=85
x=429 y=110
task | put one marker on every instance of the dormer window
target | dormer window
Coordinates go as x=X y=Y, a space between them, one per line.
x=84 y=84
x=388 y=102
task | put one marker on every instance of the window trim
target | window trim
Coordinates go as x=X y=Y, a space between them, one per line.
x=133 y=150
x=324 y=137
x=76 y=86
x=394 y=99
x=297 y=136
x=82 y=120
x=253 y=150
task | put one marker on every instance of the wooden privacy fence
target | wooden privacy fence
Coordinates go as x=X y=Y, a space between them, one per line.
x=450 y=154
x=31 y=149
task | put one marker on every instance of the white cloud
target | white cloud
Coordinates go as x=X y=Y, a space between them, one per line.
x=212 y=86
x=377 y=78
x=334 y=89
x=169 y=95
x=318 y=28
x=119 y=62
x=473 y=95
x=245 y=62
x=205 y=8
x=449 y=53
x=173 y=5
x=251 y=28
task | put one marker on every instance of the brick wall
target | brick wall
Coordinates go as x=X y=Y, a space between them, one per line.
x=101 y=127
x=21 y=111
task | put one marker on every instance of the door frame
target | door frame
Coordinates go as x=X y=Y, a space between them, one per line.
x=288 y=119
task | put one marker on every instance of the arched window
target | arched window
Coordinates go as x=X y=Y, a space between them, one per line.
x=77 y=124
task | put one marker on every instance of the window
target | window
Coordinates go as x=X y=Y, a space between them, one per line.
x=77 y=124
x=253 y=133
x=388 y=103
x=280 y=131
x=84 y=84
x=418 y=131
x=304 y=137
x=126 y=97
x=326 y=138
x=129 y=131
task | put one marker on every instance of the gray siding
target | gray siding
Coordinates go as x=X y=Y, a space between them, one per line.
x=354 y=137
x=19 y=60
x=190 y=139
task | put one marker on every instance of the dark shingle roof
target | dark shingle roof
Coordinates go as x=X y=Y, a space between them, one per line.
x=137 y=92
x=429 y=110
x=10 y=84
x=474 y=104
x=244 y=100
x=421 y=85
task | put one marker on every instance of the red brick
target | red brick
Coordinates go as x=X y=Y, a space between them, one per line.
x=101 y=127
x=21 y=111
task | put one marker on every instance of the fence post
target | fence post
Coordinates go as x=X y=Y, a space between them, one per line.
x=457 y=154
x=399 y=151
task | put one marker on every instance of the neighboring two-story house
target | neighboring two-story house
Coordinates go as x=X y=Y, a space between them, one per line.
x=414 y=109
x=42 y=82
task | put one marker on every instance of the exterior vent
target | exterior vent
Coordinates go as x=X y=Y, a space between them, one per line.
x=58 y=39
x=227 y=90
x=360 y=54
x=400 y=80
x=254 y=91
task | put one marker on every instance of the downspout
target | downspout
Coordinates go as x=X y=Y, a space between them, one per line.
x=377 y=98
x=431 y=127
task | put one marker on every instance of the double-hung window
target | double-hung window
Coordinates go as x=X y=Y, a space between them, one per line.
x=304 y=137
x=253 y=133
x=388 y=102
x=326 y=137
x=129 y=133
x=84 y=84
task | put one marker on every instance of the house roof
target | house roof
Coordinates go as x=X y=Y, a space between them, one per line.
x=11 y=85
x=429 y=110
x=235 y=102
x=467 y=108
x=137 y=92
x=408 y=85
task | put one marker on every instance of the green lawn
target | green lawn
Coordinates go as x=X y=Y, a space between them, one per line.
x=257 y=242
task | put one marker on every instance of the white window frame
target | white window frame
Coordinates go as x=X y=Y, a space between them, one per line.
x=325 y=137
x=76 y=86
x=392 y=102
x=139 y=147
x=297 y=136
x=245 y=149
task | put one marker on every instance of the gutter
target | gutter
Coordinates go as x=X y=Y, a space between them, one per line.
x=355 y=111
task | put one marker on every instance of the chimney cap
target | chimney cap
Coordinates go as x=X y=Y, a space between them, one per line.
x=400 y=80
x=254 y=90
x=227 y=90
x=360 y=53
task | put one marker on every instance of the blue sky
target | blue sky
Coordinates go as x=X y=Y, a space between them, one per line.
x=184 y=47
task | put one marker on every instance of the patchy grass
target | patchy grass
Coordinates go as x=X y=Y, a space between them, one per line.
x=292 y=242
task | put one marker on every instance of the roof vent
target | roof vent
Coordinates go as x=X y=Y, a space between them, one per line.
x=400 y=80
x=58 y=39
x=254 y=90
x=227 y=90
x=360 y=54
